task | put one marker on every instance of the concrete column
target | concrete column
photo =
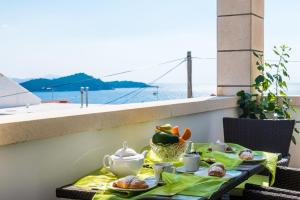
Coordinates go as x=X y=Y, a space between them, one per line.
x=240 y=31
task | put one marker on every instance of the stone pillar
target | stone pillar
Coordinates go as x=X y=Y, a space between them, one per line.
x=240 y=31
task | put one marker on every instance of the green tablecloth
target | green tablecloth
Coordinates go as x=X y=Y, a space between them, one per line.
x=100 y=179
x=189 y=185
x=183 y=184
x=231 y=161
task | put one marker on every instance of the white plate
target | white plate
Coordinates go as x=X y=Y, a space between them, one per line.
x=229 y=173
x=150 y=181
x=183 y=170
x=257 y=158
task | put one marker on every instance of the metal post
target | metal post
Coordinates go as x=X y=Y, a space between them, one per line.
x=189 y=75
x=86 y=96
x=52 y=93
x=157 y=93
x=81 y=96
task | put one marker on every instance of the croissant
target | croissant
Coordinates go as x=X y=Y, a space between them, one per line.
x=130 y=182
x=217 y=169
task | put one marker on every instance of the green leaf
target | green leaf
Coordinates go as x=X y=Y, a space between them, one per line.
x=256 y=54
x=296 y=130
x=276 y=52
x=271 y=97
x=260 y=67
x=285 y=60
x=279 y=78
x=240 y=93
x=267 y=65
x=282 y=93
x=284 y=72
x=284 y=84
x=270 y=76
x=259 y=79
x=294 y=140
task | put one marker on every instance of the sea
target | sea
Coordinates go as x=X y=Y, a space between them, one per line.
x=164 y=91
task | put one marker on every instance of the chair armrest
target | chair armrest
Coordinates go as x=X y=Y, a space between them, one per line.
x=272 y=189
x=287 y=178
x=263 y=195
x=283 y=161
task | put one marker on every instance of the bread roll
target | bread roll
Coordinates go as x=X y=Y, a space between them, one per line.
x=228 y=149
x=217 y=169
x=246 y=155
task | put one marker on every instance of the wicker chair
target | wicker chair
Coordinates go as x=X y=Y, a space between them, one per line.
x=263 y=135
x=286 y=186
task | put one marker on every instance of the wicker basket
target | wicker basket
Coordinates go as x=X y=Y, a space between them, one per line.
x=168 y=153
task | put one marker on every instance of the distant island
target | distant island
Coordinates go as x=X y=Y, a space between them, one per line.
x=75 y=81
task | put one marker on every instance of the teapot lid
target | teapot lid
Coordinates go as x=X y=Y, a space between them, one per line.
x=125 y=151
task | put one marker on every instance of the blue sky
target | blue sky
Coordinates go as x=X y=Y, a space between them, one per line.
x=61 y=37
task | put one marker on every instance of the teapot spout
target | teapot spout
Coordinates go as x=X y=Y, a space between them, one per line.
x=144 y=153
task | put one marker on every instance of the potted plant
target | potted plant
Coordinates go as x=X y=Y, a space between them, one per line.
x=265 y=113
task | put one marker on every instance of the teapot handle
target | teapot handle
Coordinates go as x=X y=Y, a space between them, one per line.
x=107 y=161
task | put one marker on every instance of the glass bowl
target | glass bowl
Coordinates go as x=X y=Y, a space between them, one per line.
x=168 y=153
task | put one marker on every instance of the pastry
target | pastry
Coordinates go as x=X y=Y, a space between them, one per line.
x=130 y=182
x=246 y=155
x=209 y=149
x=210 y=160
x=228 y=149
x=217 y=169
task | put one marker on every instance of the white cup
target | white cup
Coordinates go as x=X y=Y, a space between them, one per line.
x=191 y=162
x=219 y=146
x=159 y=168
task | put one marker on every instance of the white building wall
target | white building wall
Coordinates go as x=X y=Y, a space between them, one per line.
x=32 y=170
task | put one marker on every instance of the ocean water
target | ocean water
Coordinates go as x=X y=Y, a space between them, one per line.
x=137 y=95
x=131 y=95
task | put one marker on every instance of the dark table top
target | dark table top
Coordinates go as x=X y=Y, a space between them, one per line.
x=248 y=170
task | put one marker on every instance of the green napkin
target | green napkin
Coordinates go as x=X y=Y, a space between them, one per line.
x=270 y=163
x=100 y=179
x=230 y=160
x=189 y=185
x=97 y=180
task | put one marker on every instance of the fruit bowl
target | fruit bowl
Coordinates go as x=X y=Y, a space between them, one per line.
x=169 y=152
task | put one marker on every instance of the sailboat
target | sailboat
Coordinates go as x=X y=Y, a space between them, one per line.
x=14 y=95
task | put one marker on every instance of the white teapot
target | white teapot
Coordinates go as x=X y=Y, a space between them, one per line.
x=124 y=162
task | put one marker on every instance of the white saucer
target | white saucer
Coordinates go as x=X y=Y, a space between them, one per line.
x=183 y=170
x=257 y=158
x=229 y=173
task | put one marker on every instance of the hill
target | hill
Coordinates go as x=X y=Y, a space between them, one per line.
x=75 y=81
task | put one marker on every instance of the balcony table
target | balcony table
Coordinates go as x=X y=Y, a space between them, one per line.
x=72 y=192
